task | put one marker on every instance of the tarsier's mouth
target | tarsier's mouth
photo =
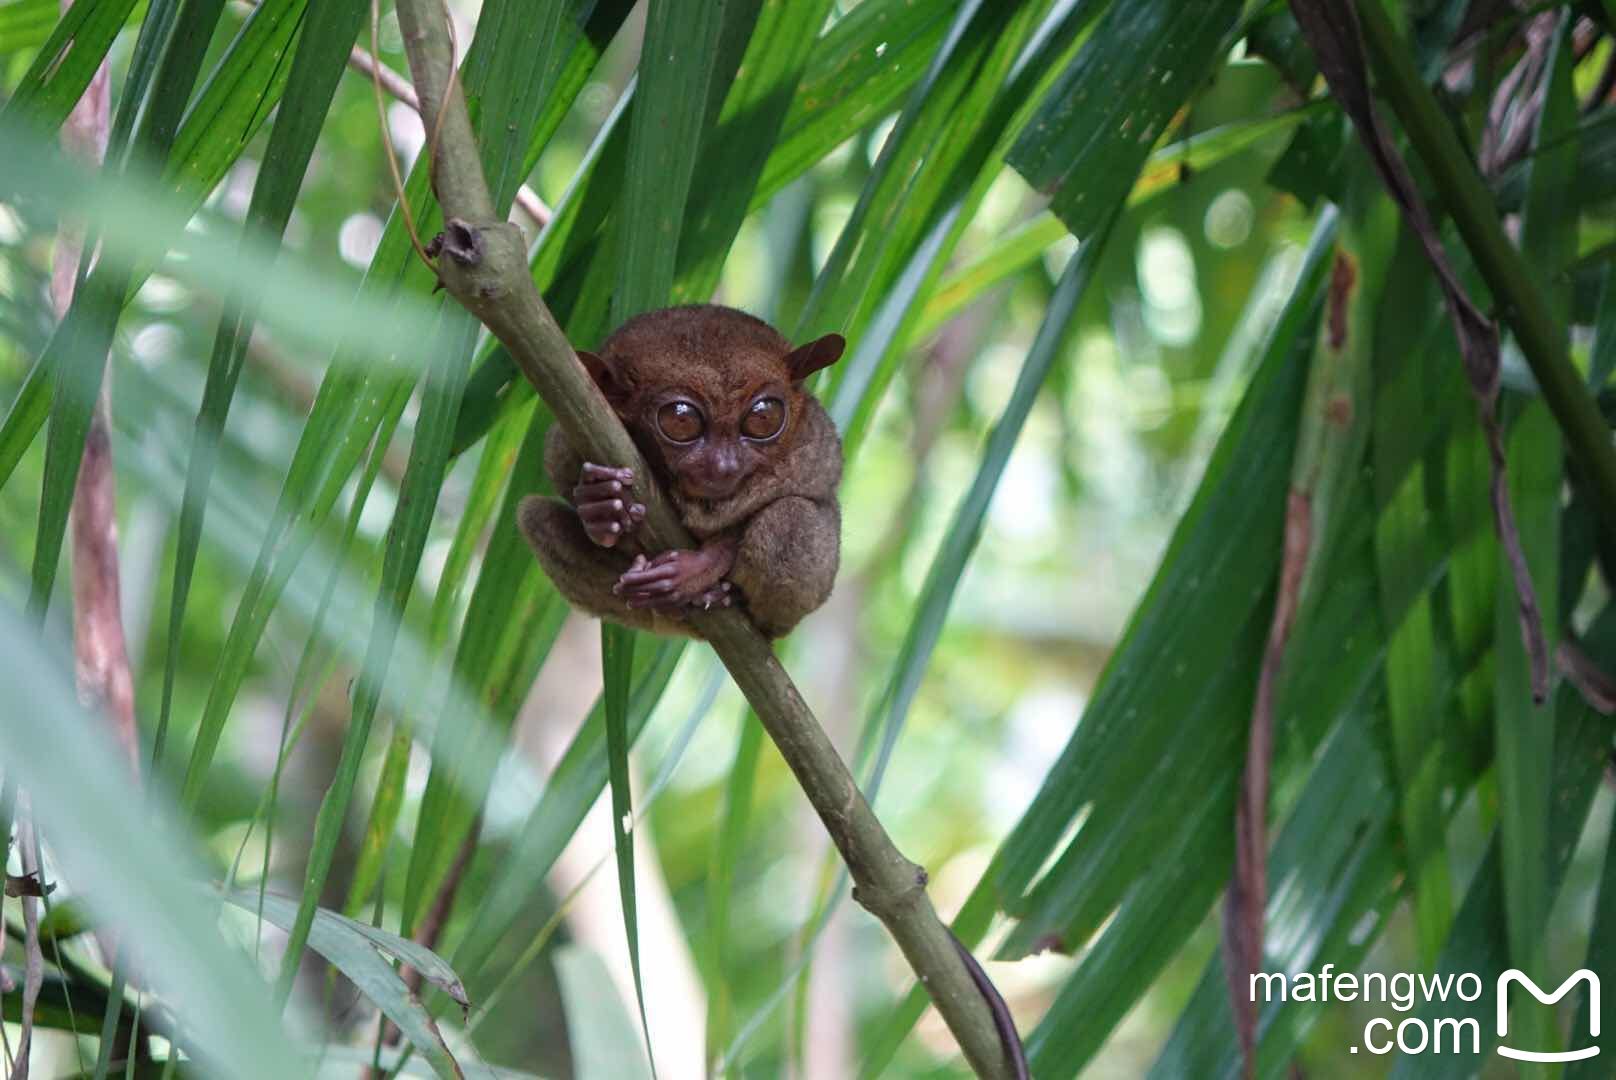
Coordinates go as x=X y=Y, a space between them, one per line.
x=705 y=492
x=707 y=498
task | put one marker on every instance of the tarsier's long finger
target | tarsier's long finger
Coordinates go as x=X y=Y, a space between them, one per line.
x=598 y=492
x=602 y=524
x=610 y=517
x=593 y=474
x=653 y=572
x=607 y=510
x=655 y=592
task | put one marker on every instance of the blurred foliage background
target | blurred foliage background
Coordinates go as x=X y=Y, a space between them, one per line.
x=1158 y=448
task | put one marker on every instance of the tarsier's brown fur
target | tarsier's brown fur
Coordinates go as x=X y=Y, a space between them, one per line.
x=763 y=511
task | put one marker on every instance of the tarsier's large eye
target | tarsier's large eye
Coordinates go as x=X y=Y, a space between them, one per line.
x=680 y=421
x=764 y=419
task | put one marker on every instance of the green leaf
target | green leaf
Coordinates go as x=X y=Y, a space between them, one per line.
x=1024 y=246
x=1335 y=856
x=855 y=72
x=239 y=96
x=406 y=539
x=965 y=529
x=677 y=66
x=965 y=75
x=429 y=454
x=616 y=663
x=316 y=68
x=1218 y=566
x=740 y=143
x=25 y=416
x=357 y=950
x=1408 y=348
x=73 y=363
x=602 y=1037
x=728 y=842
x=1099 y=123
x=917 y=212
x=1480 y=941
x=1140 y=785
x=347 y=412
x=1603 y=361
x=510 y=624
x=515 y=80
x=89 y=323
x=1524 y=731
x=572 y=789
x=26 y=24
x=858 y=72
x=67 y=62
x=134 y=870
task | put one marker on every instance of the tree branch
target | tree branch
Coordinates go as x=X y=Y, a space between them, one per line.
x=483 y=263
x=398 y=87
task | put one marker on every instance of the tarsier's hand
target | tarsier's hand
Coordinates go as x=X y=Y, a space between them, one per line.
x=676 y=580
x=604 y=503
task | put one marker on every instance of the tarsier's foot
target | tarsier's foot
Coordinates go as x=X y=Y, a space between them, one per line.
x=604 y=503
x=673 y=581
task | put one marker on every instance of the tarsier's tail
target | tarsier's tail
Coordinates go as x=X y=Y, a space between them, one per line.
x=1003 y=1022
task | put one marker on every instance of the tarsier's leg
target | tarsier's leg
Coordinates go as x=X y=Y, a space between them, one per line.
x=786 y=562
x=584 y=572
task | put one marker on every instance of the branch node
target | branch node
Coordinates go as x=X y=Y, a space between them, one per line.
x=888 y=900
x=462 y=241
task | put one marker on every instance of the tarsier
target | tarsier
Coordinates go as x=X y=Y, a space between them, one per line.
x=714 y=399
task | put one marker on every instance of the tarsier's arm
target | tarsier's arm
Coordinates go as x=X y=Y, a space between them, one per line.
x=570 y=548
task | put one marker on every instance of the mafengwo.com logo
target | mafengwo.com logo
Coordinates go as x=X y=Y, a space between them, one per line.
x=1432 y=1033
x=1513 y=977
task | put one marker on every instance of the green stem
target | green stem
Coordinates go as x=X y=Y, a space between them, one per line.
x=1515 y=290
x=484 y=265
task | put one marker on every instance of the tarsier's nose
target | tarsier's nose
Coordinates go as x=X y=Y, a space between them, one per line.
x=724 y=473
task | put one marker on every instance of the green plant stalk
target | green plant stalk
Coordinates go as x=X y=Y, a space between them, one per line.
x=484 y=266
x=1514 y=287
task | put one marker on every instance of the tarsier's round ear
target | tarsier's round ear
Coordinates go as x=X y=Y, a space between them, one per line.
x=606 y=375
x=804 y=360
